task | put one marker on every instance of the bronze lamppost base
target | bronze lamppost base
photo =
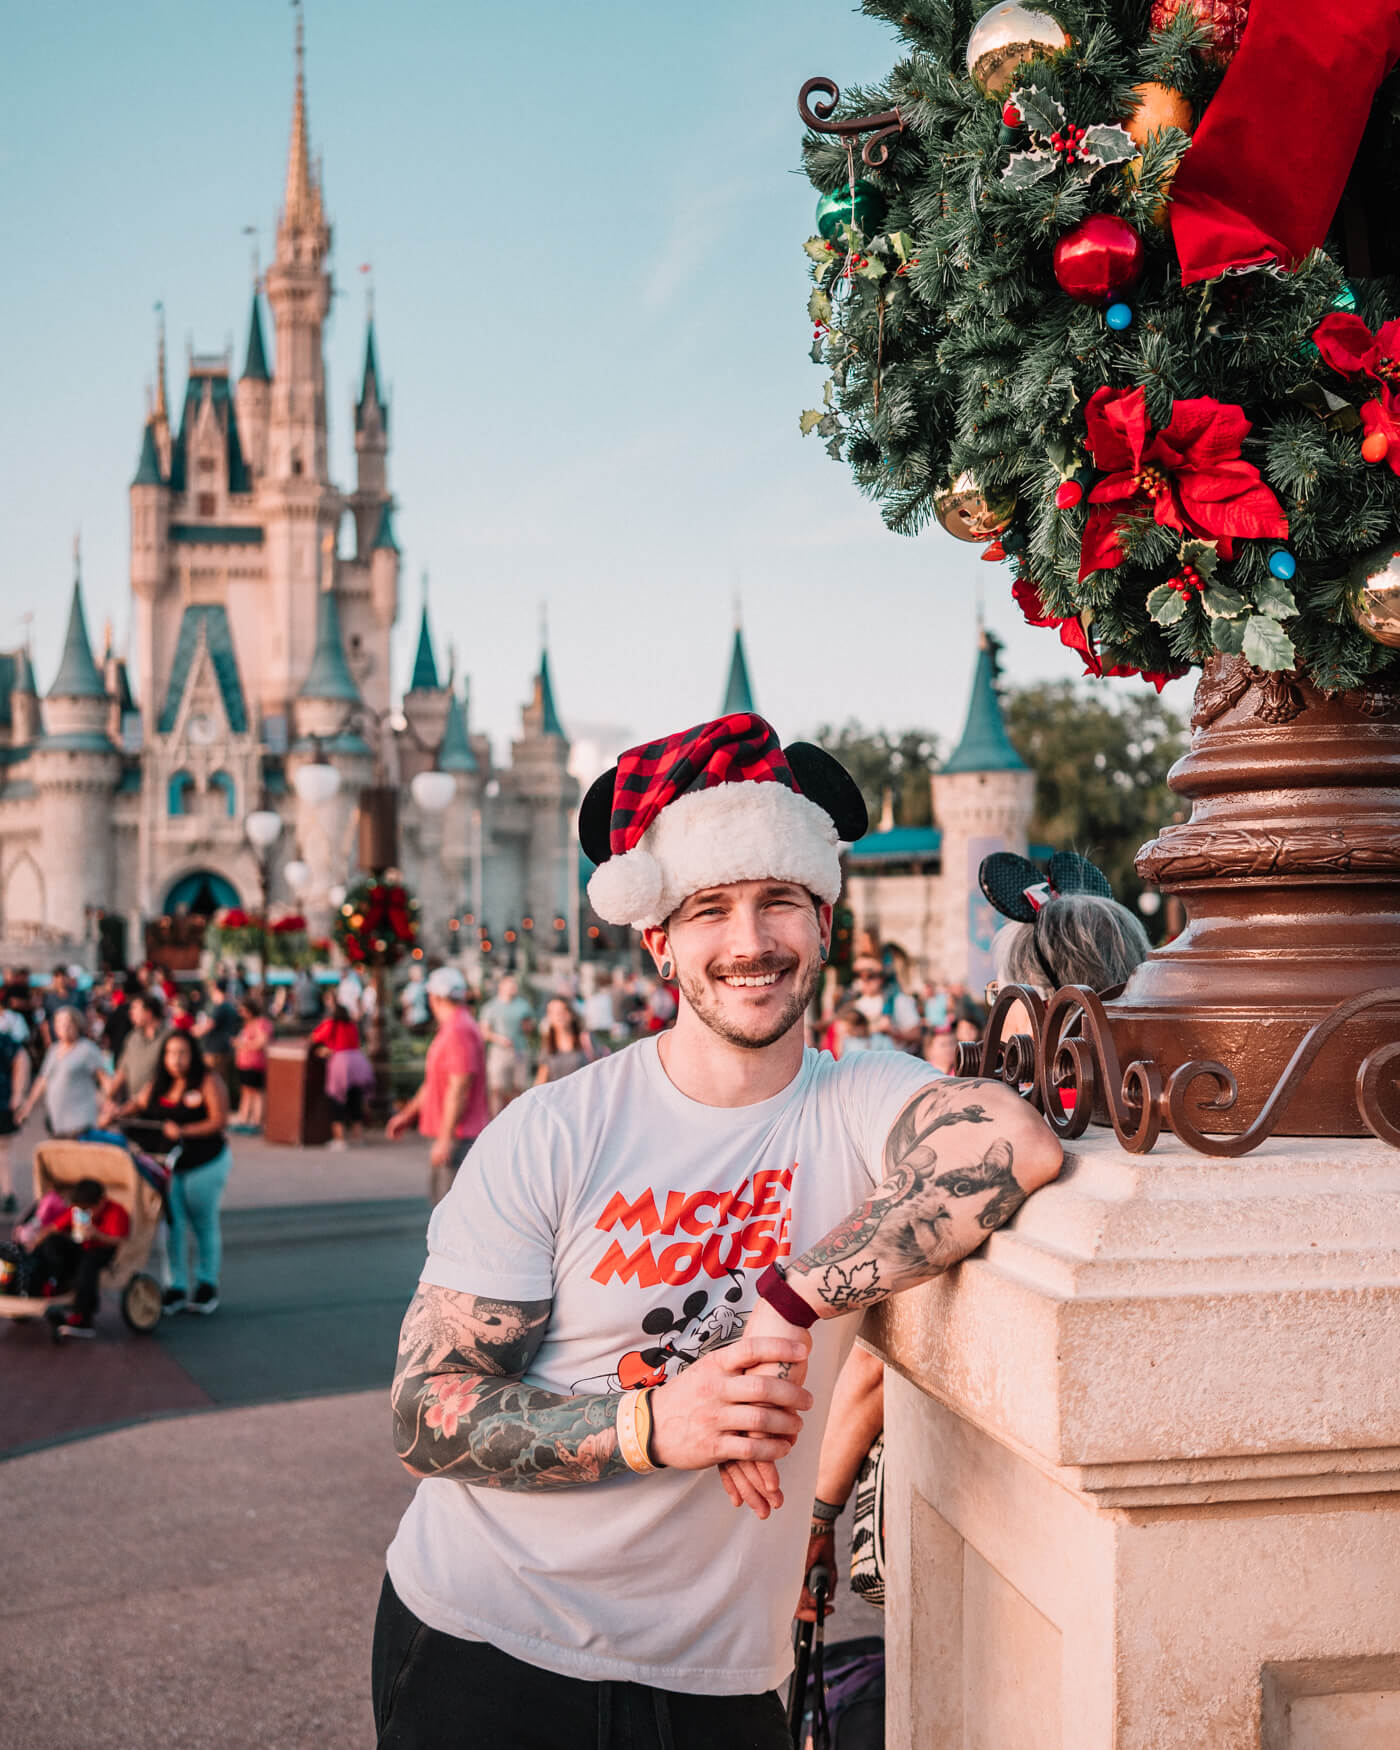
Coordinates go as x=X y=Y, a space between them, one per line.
x=1277 y=1009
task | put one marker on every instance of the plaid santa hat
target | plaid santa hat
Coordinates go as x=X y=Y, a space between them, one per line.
x=721 y=802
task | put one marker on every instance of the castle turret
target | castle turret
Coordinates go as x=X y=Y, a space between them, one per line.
x=983 y=797
x=149 y=499
x=371 y=445
x=426 y=703
x=254 y=394
x=540 y=793
x=384 y=568
x=75 y=766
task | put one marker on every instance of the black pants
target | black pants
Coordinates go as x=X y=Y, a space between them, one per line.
x=435 y=1692
x=74 y=1266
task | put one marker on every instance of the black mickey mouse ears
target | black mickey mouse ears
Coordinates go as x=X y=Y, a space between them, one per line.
x=1018 y=888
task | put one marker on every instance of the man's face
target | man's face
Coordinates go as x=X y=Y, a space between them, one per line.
x=747 y=957
x=506 y=989
x=140 y=1014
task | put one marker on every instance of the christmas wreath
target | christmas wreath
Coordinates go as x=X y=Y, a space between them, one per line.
x=1120 y=303
x=377 y=923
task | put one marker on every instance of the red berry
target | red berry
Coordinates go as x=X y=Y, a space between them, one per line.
x=1375 y=446
x=1067 y=494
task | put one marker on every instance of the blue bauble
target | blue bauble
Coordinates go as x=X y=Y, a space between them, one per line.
x=1282 y=564
x=1119 y=316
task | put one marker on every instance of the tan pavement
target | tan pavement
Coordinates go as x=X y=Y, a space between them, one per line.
x=200 y=1583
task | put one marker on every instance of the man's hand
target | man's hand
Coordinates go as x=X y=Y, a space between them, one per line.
x=398 y=1125
x=440 y=1155
x=821 y=1547
x=724 y=1408
x=752 y=1481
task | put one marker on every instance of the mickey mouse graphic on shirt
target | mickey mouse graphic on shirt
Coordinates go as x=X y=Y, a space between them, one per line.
x=684 y=1337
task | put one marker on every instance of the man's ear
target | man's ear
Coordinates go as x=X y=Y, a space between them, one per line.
x=825 y=916
x=658 y=944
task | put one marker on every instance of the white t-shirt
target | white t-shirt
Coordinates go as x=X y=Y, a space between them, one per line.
x=647 y=1219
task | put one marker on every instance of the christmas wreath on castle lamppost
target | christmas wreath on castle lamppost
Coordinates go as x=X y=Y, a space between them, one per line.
x=377 y=923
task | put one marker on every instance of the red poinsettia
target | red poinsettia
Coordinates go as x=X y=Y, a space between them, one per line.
x=1074 y=636
x=235 y=918
x=1382 y=416
x=1349 y=346
x=1190 y=475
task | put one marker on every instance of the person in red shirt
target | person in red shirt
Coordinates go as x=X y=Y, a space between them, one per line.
x=349 y=1073
x=450 y=1106
x=76 y=1247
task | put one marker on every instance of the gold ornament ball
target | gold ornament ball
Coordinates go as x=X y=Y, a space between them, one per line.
x=1375 y=597
x=971 y=514
x=1005 y=39
x=1161 y=107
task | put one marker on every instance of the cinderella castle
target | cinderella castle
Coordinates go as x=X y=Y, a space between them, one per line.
x=264 y=596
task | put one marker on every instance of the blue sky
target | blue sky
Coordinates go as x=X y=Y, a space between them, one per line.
x=586 y=232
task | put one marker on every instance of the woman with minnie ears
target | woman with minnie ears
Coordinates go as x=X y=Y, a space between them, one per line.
x=721 y=1155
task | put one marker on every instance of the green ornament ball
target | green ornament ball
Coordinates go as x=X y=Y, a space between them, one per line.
x=836 y=209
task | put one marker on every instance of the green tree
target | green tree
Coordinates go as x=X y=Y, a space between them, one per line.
x=880 y=760
x=1100 y=771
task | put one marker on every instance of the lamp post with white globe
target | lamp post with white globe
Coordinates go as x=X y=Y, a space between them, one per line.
x=262 y=828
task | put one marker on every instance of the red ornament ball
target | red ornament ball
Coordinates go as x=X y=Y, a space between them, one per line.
x=1067 y=494
x=1375 y=447
x=1010 y=115
x=1098 y=259
x=1223 y=19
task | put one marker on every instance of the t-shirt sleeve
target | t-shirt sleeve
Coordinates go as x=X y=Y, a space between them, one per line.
x=875 y=1087
x=494 y=1232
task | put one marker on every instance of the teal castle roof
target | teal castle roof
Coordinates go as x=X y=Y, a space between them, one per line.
x=211 y=381
x=384 y=534
x=738 y=694
x=255 y=361
x=77 y=676
x=455 y=754
x=425 y=674
x=985 y=746
x=211 y=620
x=148 y=468
x=549 y=717
x=369 y=386
x=329 y=676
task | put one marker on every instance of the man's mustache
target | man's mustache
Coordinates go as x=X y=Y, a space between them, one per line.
x=757 y=968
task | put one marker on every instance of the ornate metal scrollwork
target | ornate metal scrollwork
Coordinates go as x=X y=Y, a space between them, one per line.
x=1068 y=1067
x=879 y=127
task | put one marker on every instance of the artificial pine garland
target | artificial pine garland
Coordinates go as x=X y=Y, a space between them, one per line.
x=1186 y=466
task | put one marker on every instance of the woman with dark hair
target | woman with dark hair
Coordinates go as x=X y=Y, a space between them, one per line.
x=564 y=1046
x=186 y=1102
x=349 y=1073
x=250 y=1061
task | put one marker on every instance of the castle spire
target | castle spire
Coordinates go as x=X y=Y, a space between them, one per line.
x=301 y=202
x=985 y=746
x=455 y=754
x=161 y=413
x=329 y=676
x=549 y=717
x=77 y=676
x=371 y=402
x=425 y=674
x=738 y=694
x=255 y=360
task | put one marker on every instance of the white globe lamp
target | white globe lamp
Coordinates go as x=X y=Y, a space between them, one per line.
x=262 y=827
x=297 y=874
x=316 y=783
x=1149 y=902
x=432 y=791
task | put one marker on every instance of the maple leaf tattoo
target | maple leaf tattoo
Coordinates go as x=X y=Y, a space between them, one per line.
x=857 y=1286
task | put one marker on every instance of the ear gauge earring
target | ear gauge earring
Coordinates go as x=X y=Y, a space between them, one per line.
x=666 y=970
x=821 y=954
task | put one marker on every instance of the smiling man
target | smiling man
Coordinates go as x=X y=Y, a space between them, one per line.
x=568 y=1573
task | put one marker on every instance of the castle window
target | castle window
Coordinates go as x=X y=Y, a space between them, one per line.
x=180 y=793
x=208 y=504
x=222 y=783
x=207 y=464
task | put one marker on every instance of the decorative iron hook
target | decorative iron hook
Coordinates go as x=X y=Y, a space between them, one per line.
x=879 y=127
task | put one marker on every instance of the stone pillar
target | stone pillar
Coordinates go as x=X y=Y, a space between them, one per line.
x=1144 y=1462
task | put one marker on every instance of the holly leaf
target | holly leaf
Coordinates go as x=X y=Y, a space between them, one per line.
x=1165 y=605
x=1107 y=143
x=818 y=248
x=903 y=245
x=826 y=393
x=1204 y=555
x=1221 y=602
x=1275 y=598
x=874 y=269
x=818 y=351
x=833 y=448
x=1042 y=113
x=828 y=426
x=1228 y=636
x=1028 y=168
x=819 y=306
x=811 y=420
x=1266 y=644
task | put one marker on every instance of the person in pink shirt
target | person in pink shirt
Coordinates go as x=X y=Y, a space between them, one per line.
x=450 y=1106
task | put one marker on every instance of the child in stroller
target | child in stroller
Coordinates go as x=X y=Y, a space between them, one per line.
x=66 y=1246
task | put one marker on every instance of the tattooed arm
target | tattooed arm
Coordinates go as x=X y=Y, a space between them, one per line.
x=960 y=1159
x=462 y=1408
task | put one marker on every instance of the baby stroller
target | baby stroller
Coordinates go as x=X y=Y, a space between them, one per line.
x=58 y=1166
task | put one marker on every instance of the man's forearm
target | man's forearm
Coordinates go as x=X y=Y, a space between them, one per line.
x=461 y=1409
x=960 y=1159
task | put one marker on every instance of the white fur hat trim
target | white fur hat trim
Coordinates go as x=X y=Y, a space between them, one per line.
x=745 y=831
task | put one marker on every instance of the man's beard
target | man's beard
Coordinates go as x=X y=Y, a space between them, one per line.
x=697 y=994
